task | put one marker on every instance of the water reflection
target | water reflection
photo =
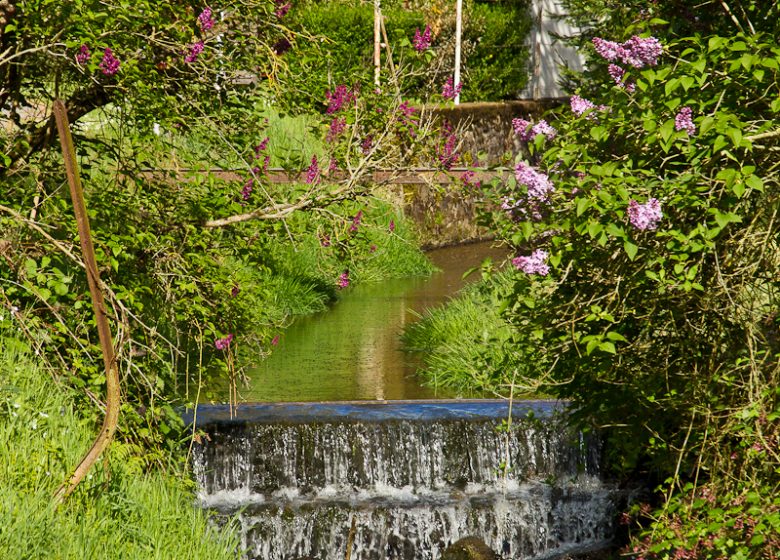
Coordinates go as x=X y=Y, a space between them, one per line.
x=352 y=351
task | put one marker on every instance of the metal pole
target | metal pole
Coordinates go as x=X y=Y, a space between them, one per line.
x=377 y=40
x=458 y=31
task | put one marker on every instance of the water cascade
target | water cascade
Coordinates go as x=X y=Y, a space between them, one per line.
x=402 y=480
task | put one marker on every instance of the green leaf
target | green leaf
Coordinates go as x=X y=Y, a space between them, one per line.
x=582 y=205
x=608 y=346
x=631 y=249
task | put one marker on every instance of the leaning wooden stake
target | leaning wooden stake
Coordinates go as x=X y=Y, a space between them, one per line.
x=106 y=434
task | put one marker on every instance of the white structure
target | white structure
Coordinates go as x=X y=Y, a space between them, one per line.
x=547 y=52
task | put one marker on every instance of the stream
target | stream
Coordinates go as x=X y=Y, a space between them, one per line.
x=352 y=351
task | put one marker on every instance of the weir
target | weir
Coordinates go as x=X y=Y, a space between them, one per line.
x=402 y=480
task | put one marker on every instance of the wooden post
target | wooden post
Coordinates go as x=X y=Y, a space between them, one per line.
x=458 y=32
x=377 y=40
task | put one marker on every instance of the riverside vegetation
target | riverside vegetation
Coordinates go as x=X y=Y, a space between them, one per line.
x=201 y=271
x=645 y=283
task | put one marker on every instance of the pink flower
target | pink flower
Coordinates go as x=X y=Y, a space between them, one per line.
x=205 y=19
x=282 y=10
x=372 y=249
x=313 y=172
x=337 y=126
x=109 y=65
x=422 y=41
x=356 y=221
x=367 y=144
x=343 y=281
x=520 y=127
x=538 y=184
x=446 y=152
x=261 y=147
x=195 y=50
x=637 y=52
x=608 y=50
x=580 y=105
x=391 y=227
x=325 y=240
x=644 y=216
x=616 y=72
x=83 y=55
x=333 y=165
x=450 y=91
x=247 y=190
x=275 y=340
x=223 y=343
x=683 y=121
x=542 y=127
x=339 y=97
x=535 y=263
x=234 y=292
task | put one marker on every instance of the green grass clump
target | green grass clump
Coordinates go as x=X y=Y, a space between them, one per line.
x=464 y=345
x=119 y=511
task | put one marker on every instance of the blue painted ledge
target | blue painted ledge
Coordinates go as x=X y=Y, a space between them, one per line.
x=367 y=411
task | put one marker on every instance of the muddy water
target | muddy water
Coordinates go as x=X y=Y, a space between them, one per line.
x=352 y=351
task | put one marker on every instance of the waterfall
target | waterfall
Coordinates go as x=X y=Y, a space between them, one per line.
x=411 y=478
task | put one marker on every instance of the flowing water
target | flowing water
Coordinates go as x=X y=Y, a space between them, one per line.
x=389 y=478
x=403 y=480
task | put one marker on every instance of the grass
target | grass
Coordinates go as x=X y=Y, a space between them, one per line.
x=465 y=345
x=119 y=511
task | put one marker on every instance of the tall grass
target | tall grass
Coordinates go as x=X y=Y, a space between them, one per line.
x=465 y=344
x=119 y=511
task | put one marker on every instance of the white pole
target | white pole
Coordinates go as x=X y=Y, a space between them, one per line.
x=377 y=40
x=458 y=31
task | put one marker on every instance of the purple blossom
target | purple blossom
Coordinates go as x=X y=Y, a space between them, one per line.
x=205 y=19
x=343 y=280
x=338 y=98
x=520 y=127
x=538 y=184
x=223 y=343
x=450 y=91
x=275 y=340
x=683 y=121
x=261 y=147
x=337 y=126
x=616 y=73
x=83 y=55
x=422 y=41
x=282 y=10
x=391 y=226
x=282 y=46
x=447 y=155
x=535 y=263
x=313 y=172
x=580 y=105
x=644 y=216
x=372 y=249
x=367 y=144
x=333 y=165
x=234 y=292
x=195 y=50
x=637 y=52
x=109 y=65
x=544 y=128
x=468 y=179
x=246 y=192
x=356 y=221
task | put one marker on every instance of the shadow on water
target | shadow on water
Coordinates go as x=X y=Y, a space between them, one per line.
x=352 y=351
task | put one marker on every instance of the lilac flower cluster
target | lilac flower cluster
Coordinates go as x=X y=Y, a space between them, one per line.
x=83 y=55
x=405 y=114
x=528 y=132
x=356 y=222
x=538 y=184
x=246 y=192
x=367 y=144
x=644 y=216
x=205 y=19
x=535 y=263
x=343 y=281
x=195 y=50
x=450 y=91
x=282 y=9
x=446 y=152
x=422 y=41
x=391 y=226
x=313 y=172
x=333 y=165
x=223 y=343
x=684 y=121
x=580 y=105
x=109 y=65
x=636 y=52
x=235 y=291
x=339 y=97
x=468 y=180
x=337 y=126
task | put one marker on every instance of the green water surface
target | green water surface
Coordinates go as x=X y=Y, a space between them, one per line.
x=353 y=351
